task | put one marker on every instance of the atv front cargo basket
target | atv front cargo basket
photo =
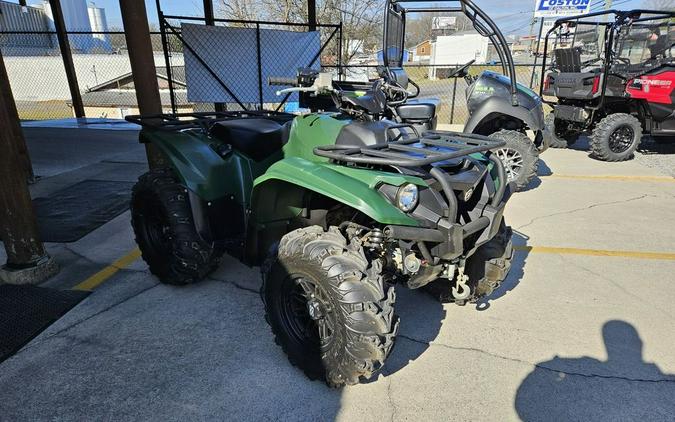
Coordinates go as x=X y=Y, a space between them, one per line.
x=428 y=148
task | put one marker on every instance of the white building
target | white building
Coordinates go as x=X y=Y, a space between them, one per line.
x=448 y=51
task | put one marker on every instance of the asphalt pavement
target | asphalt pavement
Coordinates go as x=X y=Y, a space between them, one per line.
x=582 y=329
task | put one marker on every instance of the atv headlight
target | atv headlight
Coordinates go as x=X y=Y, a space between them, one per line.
x=406 y=197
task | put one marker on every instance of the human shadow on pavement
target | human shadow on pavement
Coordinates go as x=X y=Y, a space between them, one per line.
x=624 y=387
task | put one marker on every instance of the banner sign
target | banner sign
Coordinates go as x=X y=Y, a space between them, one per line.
x=559 y=8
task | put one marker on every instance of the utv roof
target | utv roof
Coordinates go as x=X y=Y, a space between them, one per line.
x=620 y=17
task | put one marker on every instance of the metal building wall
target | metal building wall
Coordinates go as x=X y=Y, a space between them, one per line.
x=14 y=17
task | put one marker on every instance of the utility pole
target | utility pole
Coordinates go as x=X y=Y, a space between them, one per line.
x=139 y=45
x=27 y=260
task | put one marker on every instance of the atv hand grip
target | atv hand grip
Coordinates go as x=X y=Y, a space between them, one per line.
x=279 y=80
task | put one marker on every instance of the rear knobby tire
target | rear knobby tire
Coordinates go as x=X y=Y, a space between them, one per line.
x=616 y=137
x=356 y=307
x=519 y=156
x=558 y=141
x=165 y=232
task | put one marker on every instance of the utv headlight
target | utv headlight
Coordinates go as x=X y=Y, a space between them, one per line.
x=406 y=197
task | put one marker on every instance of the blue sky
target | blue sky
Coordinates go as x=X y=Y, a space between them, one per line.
x=173 y=7
x=512 y=16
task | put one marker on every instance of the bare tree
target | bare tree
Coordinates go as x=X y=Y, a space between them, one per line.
x=361 y=19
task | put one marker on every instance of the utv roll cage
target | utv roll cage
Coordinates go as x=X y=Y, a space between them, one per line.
x=612 y=22
x=394 y=31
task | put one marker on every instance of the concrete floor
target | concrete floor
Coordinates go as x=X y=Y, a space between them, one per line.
x=571 y=335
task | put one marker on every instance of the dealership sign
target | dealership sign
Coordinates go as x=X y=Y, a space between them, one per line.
x=555 y=8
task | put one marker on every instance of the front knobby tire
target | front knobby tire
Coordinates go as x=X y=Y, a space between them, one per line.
x=328 y=307
x=165 y=232
x=519 y=156
x=558 y=141
x=616 y=137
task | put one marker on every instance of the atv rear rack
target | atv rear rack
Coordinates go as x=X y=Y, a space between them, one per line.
x=202 y=120
x=399 y=152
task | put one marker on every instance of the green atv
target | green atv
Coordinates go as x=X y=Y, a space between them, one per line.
x=335 y=208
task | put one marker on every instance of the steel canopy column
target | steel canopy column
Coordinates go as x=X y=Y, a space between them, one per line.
x=139 y=45
x=210 y=20
x=27 y=260
x=66 y=54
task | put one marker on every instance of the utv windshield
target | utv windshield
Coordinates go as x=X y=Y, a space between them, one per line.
x=588 y=39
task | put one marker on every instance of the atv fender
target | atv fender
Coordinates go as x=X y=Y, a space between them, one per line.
x=497 y=106
x=356 y=188
x=281 y=194
x=202 y=170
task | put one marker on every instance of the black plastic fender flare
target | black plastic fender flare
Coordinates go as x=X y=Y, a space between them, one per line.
x=497 y=106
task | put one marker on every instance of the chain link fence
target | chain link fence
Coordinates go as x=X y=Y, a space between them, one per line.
x=103 y=70
x=228 y=70
x=38 y=79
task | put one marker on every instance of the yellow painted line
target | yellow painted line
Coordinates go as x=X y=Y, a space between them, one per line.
x=665 y=179
x=597 y=252
x=109 y=271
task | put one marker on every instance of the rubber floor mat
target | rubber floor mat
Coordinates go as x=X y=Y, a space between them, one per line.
x=69 y=214
x=25 y=311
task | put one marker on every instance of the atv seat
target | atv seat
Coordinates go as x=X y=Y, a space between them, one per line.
x=256 y=138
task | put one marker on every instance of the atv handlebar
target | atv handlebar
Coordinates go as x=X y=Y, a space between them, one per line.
x=280 y=80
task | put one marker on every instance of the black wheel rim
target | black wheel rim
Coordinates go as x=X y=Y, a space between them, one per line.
x=300 y=294
x=155 y=228
x=621 y=139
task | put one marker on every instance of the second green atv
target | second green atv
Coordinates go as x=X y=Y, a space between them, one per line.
x=336 y=208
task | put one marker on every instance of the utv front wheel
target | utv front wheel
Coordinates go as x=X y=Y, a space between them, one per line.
x=559 y=140
x=519 y=156
x=165 y=232
x=616 y=137
x=329 y=310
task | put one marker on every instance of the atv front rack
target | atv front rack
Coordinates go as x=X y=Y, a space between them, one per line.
x=428 y=148
x=420 y=151
x=202 y=120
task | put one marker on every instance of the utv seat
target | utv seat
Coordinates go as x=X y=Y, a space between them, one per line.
x=415 y=110
x=423 y=110
x=568 y=60
x=256 y=138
